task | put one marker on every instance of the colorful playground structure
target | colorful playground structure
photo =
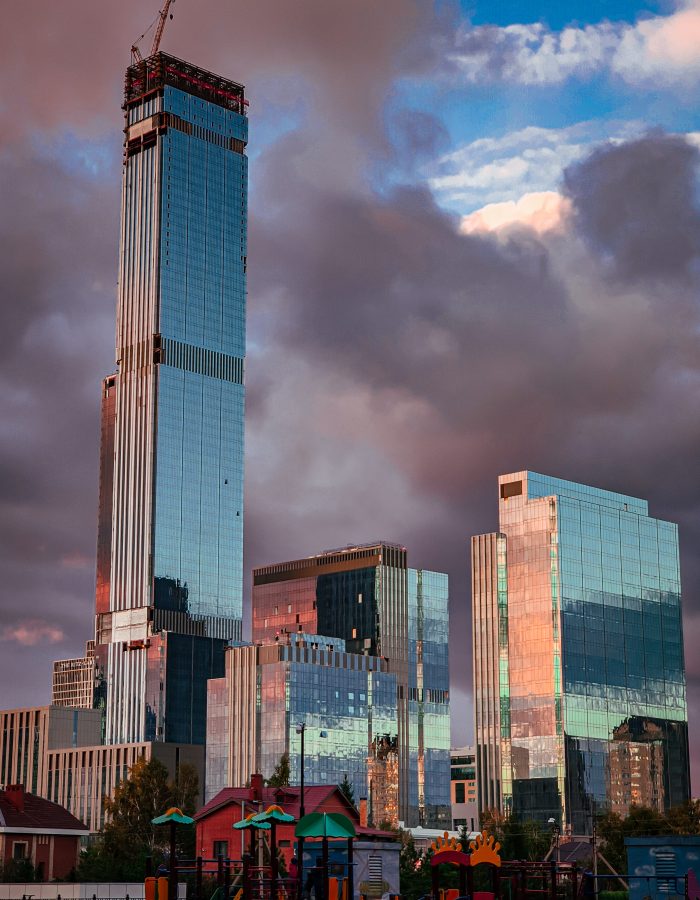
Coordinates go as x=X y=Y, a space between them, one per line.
x=324 y=868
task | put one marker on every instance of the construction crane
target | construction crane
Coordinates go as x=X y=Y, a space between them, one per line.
x=162 y=19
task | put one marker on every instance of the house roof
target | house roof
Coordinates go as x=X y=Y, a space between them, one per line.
x=37 y=815
x=315 y=795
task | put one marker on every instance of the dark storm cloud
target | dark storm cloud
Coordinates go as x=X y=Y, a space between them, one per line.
x=481 y=354
x=634 y=204
x=396 y=367
x=58 y=233
x=60 y=122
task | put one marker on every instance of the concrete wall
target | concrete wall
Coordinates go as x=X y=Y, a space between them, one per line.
x=85 y=891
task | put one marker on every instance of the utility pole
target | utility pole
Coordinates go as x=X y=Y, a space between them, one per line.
x=595 y=857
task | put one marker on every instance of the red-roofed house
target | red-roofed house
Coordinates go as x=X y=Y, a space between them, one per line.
x=38 y=830
x=216 y=819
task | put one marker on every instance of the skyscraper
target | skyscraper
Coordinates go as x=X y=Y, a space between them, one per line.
x=579 y=678
x=368 y=596
x=170 y=532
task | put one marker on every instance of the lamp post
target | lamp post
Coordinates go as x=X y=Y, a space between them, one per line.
x=300 y=729
x=556 y=831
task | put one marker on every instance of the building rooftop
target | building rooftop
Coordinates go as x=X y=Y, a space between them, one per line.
x=161 y=69
x=21 y=810
x=315 y=795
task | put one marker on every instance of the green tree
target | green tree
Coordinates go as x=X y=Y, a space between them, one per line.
x=19 y=871
x=280 y=777
x=414 y=869
x=128 y=838
x=685 y=819
x=519 y=840
x=346 y=789
x=641 y=821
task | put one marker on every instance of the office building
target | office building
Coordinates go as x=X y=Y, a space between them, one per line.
x=346 y=702
x=579 y=678
x=74 y=680
x=28 y=734
x=170 y=523
x=81 y=778
x=465 y=813
x=369 y=597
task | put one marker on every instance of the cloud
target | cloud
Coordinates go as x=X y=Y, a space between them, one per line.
x=397 y=365
x=530 y=160
x=31 y=632
x=632 y=206
x=656 y=51
x=541 y=211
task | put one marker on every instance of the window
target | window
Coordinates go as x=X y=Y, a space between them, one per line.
x=19 y=850
x=220 y=849
x=459 y=792
x=511 y=489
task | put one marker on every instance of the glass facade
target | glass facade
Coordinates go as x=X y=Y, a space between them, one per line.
x=369 y=598
x=346 y=701
x=348 y=704
x=587 y=656
x=170 y=543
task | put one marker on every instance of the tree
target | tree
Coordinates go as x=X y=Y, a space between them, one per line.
x=280 y=777
x=128 y=838
x=346 y=789
x=641 y=821
x=685 y=819
x=519 y=840
x=414 y=869
x=19 y=871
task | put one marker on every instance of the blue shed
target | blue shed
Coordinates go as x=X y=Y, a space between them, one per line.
x=657 y=865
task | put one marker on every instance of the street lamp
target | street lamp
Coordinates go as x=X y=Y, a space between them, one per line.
x=300 y=729
x=556 y=831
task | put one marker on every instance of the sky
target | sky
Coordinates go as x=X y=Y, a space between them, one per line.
x=474 y=249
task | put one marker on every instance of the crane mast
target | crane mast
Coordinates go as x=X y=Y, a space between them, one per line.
x=136 y=56
x=163 y=16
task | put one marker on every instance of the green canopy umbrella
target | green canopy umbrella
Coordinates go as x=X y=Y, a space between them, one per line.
x=270 y=817
x=329 y=825
x=172 y=817
x=250 y=823
x=325 y=825
x=273 y=814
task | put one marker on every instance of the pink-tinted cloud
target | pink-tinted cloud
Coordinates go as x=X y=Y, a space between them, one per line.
x=31 y=632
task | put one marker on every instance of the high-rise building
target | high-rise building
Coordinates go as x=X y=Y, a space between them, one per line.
x=27 y=735
x=579 y=678
x=80 y=778
x=74 y=680
x=463 y=784
x=369 y=597
x=345 y=701
x=170 y=524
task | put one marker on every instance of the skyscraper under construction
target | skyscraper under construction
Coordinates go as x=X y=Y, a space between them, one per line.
x=170 y=530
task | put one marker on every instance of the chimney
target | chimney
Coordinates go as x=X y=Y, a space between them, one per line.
x=15 y=794
x=363 y=812
x=256 y=787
